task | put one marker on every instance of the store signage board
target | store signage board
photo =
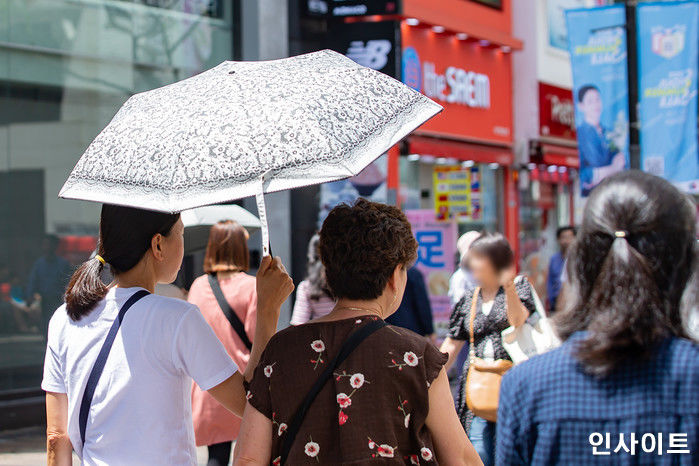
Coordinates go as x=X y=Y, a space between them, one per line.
x=556 y=112
x=345 y=8
x=472 y=83
x=457 y=193
x=371 y=44
x=436 y=258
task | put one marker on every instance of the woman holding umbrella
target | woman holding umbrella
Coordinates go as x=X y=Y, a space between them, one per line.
x=118 y=385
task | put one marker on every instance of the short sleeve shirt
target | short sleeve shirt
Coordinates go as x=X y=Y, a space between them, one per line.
x=372 y=411
x=140 y=412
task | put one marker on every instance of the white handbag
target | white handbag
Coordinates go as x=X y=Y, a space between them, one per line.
x=534 y=337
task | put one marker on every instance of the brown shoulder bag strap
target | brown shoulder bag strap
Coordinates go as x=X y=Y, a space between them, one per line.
x=474 y=303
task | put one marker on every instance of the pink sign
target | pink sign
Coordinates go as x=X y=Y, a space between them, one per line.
x=436 y=260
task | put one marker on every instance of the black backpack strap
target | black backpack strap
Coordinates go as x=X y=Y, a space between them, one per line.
x=97 y=369
x=352 y=342
x=230 y=314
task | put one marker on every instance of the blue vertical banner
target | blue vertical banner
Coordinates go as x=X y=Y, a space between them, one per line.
x=668 y=63
x=597 y=44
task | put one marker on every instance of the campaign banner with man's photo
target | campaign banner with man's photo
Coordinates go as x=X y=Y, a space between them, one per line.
x=597 y=44
x=668 y=63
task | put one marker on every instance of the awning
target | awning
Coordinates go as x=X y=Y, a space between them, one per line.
x=560 y=155
x=460 y=150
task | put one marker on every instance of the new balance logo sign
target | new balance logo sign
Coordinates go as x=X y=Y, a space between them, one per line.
x=373 y=54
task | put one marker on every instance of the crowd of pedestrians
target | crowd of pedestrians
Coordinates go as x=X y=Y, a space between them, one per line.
x=357 y=378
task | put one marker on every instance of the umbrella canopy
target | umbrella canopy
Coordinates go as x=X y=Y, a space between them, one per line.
x=197 y=223
x=246 y=128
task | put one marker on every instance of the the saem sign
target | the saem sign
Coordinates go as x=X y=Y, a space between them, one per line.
x=456 y=86
x=473 y=83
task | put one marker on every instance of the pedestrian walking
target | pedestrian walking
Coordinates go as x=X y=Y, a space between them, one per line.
x=120 y=360
x=564 y=236
x=415 y=311
x=226 y=261
x=47 y=280
x=500 y=300
x=462 y=279
x=624 y=386
x=369 y=393
x=313 y=299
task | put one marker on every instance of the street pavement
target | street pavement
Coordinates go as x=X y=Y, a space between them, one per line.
x=26 y=447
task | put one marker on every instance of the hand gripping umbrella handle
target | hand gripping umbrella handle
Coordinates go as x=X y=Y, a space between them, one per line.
x=262 y=213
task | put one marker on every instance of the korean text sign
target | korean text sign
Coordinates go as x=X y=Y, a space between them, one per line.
x=668 y=56
x=436 y=258
x=597 y=43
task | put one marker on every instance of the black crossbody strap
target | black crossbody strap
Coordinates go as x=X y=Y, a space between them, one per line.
x=97 y=369
x=354 y=340
x=230 y=314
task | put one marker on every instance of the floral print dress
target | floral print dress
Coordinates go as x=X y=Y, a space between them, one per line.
x=372 y=411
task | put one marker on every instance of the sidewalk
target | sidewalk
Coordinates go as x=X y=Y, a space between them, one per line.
x=26 y=447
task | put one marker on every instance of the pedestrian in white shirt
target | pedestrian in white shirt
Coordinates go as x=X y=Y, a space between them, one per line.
x=136 y=410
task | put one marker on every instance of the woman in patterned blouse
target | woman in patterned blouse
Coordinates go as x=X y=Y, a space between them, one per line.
x=389 y=401
x=504 y=300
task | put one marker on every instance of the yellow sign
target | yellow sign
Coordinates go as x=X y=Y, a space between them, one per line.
x=457 y=193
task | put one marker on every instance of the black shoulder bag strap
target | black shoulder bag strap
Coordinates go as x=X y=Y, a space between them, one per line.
x=354 y=340
x=230 y=314
x=97 y=369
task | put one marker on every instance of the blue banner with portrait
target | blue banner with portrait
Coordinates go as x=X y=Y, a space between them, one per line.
x=597 y=44
x=668 y=62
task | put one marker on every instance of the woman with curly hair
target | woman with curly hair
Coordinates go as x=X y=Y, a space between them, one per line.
x=384 y=399
x=626 y=381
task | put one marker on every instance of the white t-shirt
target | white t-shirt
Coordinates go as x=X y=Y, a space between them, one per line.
x=141 y=411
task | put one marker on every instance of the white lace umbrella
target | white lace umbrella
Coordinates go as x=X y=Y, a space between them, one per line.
x=198 y=222
x=247 y=128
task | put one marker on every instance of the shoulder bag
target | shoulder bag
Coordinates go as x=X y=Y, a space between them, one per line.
x=97 y=369
x=352 y=342
x=229 y=312
x=534 y=337
x=483 y=377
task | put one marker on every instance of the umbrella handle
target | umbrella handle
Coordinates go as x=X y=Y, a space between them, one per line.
x=262 y=213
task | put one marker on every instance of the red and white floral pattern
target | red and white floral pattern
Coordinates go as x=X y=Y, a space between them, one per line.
x=312 y=449
x=410 y=359
x=319 y=347
x=383 y=450
x=426 y=454
x=268 y=370
x=357 y=380
x=344 y=400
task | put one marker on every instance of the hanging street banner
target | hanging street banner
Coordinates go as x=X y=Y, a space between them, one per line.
x=597 y=44
x=668 y=63
x=457 y=193
x=436 y=257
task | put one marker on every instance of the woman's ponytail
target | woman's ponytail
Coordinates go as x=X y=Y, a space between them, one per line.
x=125 y=237
x=85 y=289
x=617 y=331
x=628 y=270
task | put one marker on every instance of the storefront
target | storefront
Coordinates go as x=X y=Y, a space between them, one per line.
x=65 y=69
x=471 y=140
x=548 y=187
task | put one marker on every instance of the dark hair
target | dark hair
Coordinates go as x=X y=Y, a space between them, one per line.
x=361 y=245
x=125 y=236
x=563 y=229
x=227 y=248
x=496 y=248
x=628 y=270
x=315 y=271
x=585 y=89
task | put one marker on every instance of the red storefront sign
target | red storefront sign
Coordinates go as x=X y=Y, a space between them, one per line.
x=472 y=83
x=556 y=112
